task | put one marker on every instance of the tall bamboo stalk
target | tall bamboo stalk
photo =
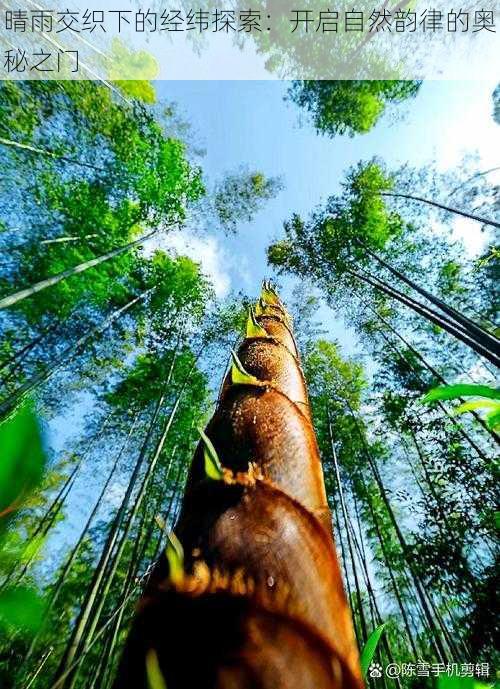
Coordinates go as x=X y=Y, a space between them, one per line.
x=446 y=323
x=256 y=600
x=392 y=578
x=14 y=298
x=441 y=206
x=404 y=547
x=482 y=335
x=344 y=566
x=54 y=595
x=431 y=370
x=91 y=594
x=347 y=532
x=67 y=355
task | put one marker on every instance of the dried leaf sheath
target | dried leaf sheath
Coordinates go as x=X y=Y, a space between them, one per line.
x=261 y=604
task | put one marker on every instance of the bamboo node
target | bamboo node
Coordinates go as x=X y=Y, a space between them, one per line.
x=243 y=478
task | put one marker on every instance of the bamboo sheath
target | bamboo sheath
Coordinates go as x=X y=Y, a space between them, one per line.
x=259 y=603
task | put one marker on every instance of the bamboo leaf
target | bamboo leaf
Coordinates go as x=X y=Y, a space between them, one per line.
x=32 y=548
x=477 y=404
x=21 y=607
x=174 y=553
x=175 y=556
x=370 y=648
x=22 y=459
x=155 y=675
x=253 y=328
x=450 y=392
x=213 y=467
x=238 y=374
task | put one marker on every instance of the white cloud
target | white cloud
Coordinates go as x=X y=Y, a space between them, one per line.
x=469 y=232
x=471 y=126
x=204 y=250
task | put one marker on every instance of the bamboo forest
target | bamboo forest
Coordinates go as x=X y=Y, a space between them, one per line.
x=248 y=437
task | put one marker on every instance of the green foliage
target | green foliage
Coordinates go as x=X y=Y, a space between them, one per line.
x=23 y=460
x=21 y=608
x=132 y=71
x=22 y=467
x=180 y=288
x=145 y=379
x=227 y=321
x=17 y=112
x=360 y=227
x=82 y=208
x=489 y=257
x=137 y=89
x=333 y=378
x=141 y=179
x=370 y=647
x=349 y=107
x=343 y=231
x=238 y=197
x=451 y=392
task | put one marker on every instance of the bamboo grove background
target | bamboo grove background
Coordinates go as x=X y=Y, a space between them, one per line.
x=115 y=364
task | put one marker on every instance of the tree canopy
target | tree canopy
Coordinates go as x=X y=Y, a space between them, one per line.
x=349 y=107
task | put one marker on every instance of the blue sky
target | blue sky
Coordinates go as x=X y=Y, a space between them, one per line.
x=250 y=123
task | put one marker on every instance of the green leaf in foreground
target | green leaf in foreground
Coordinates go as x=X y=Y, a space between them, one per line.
x=174 y=552
x=22 y=459
x=155 y=675
x=21 y=607
x=488 y=399
x=477 y=404
x=451 y=392
x=213 y=467
x=370 y=648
